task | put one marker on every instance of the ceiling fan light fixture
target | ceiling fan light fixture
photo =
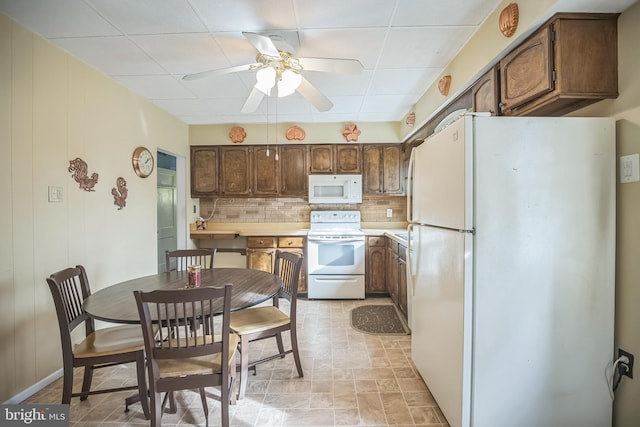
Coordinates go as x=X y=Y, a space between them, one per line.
x=266 y=79
x=288 y=83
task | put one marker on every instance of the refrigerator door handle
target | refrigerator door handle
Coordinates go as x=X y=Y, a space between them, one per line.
x=410 y=263
x=410 y=186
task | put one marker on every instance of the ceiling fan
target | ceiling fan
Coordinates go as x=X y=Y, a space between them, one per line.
x=280 y=71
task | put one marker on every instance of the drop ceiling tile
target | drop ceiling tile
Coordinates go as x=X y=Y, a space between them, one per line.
x=236 y=48
x=225 y=86
x=246 y=15
x=344 y=14
x=412 y=13
x=150 y=16
x=111 y=55
x=155 y=87
x=340 y=84
x=62 y=18
x=361 y=44
x=423 y=47
x=183 y=53
x=393 y=104
x=402 y=81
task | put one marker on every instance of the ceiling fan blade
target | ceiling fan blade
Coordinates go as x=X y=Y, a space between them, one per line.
x=263 y=44
x=253 y=100
x=313 y=95
x=221 y=71
x=332 y=65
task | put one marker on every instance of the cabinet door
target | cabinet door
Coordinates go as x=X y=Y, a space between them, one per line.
x=265 y=173
x=527 y=71
x=372 y=173
x=376 y=263
x=393 y=169
x=321 y=159
x=235 y=171
x=348 y=159
x=294 y=177
x=402 y=287
x=484 y=93
x=392 y=275
x=261 y=259
x=204 y=171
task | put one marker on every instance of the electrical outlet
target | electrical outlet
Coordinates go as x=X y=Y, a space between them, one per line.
x=389 y=213
x=629 y=371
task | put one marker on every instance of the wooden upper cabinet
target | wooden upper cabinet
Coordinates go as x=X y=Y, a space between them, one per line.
x=393 y=170
x=204 y=171
x=235 y=165
x=570 y=62
x=485 y=93
x=266 y=171
x=321 y=159
x=384 y=169
x=294 y=173
x=372 y=173
x=348 y=159
x=335 y=159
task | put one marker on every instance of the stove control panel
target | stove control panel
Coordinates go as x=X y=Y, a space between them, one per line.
x=341 y=217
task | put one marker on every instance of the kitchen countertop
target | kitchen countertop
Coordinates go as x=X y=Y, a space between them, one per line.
x=233 y=230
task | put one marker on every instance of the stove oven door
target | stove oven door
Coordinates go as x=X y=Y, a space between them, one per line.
x=335 y=255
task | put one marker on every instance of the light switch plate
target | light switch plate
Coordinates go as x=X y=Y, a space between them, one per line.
x=55 y=194
x=630 y=168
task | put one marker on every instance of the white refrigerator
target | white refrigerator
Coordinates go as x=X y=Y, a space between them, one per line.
x=512 y=240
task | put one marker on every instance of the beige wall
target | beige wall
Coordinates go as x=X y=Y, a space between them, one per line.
x=316 y=133
x=626 y=110
x=52 y=110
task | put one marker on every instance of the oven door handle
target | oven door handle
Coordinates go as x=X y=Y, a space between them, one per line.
x=320 y=239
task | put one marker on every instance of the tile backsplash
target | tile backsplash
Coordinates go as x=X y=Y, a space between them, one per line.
x=279 y=210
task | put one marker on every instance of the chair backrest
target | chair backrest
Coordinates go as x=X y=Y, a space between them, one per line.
x=186 y=257
x=188 y=322
x=69 y=288
x=287 y=266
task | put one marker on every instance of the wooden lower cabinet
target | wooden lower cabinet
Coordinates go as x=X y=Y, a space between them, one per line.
x=261 y=253
x=376 y=263
x=402 y=280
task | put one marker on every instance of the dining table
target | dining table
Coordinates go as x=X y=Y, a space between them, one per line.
x=117 y=304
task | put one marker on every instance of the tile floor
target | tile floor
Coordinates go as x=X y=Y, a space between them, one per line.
x=350 y=379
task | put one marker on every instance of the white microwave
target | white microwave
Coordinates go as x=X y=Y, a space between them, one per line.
x=335 y=189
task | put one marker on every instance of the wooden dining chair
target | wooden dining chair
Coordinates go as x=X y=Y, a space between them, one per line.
x=98 y=348
x=258 y=323
x=185 y=257
x=188 y=357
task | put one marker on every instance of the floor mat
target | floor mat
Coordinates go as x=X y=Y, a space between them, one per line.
x=378 y=319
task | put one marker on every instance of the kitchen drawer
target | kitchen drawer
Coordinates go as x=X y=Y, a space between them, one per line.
x=376 y=240
x=402 y=252
x=291 y=242
x=261 y=242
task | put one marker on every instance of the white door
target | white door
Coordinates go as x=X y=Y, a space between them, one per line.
x=438 y=315
x=167 y=214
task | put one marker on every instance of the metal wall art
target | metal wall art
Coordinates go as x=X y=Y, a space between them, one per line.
x=78 y=169
x=120 y=193
x=351 y=133
x=295 y=133
x=237 y=134
x=411 y=119
x=444 y=84
x=508 y=21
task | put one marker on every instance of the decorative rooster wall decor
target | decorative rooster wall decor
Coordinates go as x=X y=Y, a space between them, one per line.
x=120 y=193
x=78 y=169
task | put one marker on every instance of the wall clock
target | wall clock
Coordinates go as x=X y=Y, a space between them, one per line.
x=142 y=162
